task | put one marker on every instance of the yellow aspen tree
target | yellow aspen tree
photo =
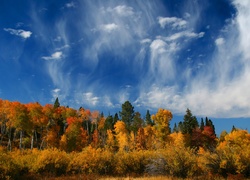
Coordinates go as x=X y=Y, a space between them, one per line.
x=110 y=142
x=162 y=120
x=141 y=139
x=150 y=137
x=121 y=135
x=177 y=139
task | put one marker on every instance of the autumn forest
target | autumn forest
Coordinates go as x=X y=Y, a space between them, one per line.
x=56 y=140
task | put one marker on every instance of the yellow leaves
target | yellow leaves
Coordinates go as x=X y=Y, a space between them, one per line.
x=101 y=123
x=163 y=116
x=121 y=135
x=238 y=138
x=91 y=160
x=120 y=127
x=162 y=119
x=110 y=142
x=51 y=161
x=177 y=139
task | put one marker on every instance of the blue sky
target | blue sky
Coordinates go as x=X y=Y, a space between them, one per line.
x=174 y=54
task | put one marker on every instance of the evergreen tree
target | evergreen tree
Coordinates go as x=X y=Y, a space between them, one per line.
x=190 y=122
x=202 y=124
x=116 y=118
x=175 y=129
x=233 y=129
x=148 y=119
x=180 y=126
x=109 y=123
x=209 y=123
x=56 y=103
x=137 y=122
x=127 y=114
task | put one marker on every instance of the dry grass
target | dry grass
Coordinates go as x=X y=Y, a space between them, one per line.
x=81 y=177
x=139 y=178
x=96 y=177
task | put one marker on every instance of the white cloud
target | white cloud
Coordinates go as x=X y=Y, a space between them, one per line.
x=145 y=41
x=19 y=32
x=174 y=22
x=109 y=27
x=124 y=10
x=89 y=98
x=184 y=34
x=219 y=41
x=56 y=90
x=63 y=47
x=55 y=56
x=70 y=5
x=158 y=45
x=221 y=88
x=55 y=93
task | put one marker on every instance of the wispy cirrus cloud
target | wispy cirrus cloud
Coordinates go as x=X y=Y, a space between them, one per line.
x=151 y=52
x=109 y=27
x=19 y=32
x=55 y=56
x=123 y=10
x=220 y=89
x=70 y=4
x=173 y=22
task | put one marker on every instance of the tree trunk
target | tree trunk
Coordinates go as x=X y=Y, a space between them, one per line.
x=21 y=139
x=32 y=140
x=3 y=128
x=9 y=142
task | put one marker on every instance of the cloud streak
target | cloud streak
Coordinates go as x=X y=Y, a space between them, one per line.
x=55 y=56
x=19 y=32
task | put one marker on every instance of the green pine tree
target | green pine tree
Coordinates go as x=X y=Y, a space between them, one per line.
x=189 y=123
x=127 y=114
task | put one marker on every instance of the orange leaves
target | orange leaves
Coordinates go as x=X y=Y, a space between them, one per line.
x=76 y=136
x=75 y=120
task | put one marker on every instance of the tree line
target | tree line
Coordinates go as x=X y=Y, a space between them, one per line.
x=58 y=139
x=35 y=126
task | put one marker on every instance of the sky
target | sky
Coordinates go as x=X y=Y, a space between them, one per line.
x=172 y=54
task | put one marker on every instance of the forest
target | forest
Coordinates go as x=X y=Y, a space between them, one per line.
x=55 y=140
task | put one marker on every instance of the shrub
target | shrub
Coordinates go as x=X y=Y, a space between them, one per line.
x=52 y=161
x=91 y=161
x=8 y=168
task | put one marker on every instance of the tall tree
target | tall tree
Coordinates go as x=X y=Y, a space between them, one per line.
x=127 y=114
x=56 y=103
x=148 y=119
x=121 y=135
x=189 y=123
x=37 y=119
x=137 y=123
x=175 y=129
x=19 y=116
x=209 y=122
x=162 y=121
x=202 y=124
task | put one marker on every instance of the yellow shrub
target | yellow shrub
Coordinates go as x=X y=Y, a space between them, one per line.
x=51 y=161
x=8 y=168
x=91 y=161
